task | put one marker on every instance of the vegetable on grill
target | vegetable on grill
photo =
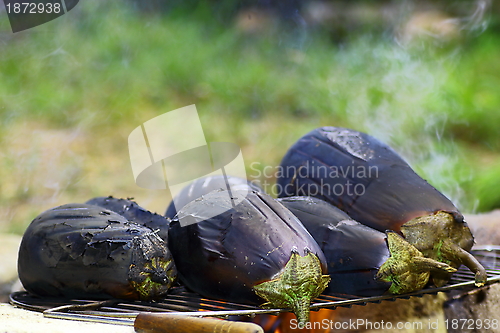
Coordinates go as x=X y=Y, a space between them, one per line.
x=85 y=251
x=255 y=252
x=371 y=183
x=362 y=261
x=206 y=185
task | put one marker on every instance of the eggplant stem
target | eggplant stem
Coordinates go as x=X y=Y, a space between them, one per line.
x=471 y=263
x=427 y=264
x=301 y=309
x=299 y=282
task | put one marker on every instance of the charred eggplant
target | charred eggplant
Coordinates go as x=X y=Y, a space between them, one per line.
x=375 y=186
x=362 y=261
x=131 y=211
x=85 y=251
x=255 y=252
x=206 y=185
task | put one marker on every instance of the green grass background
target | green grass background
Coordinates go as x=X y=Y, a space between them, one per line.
x=73 y=89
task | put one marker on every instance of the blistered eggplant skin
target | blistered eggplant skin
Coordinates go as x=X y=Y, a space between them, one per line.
x=362 y=176
x=85 y=251
x=131 y=211
x=204 y=186
x=227 y=256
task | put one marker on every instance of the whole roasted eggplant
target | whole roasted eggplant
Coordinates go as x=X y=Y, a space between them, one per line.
x=375 y=186
x=85 y=251
x=131 y=211
x=206 y=185
x=362 y=261
x=255 y=252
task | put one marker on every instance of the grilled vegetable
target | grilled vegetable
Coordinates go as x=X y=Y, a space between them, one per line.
x=255 y=252
x=206 y=185
x=375 y=186
x=362 y=261
x=131 y=211
x=85 y=251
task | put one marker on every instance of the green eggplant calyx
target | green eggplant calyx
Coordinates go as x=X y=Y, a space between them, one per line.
x=407 y=268
x=440 y=237
x=153 y=279
x=299 y=282
x=152 y=271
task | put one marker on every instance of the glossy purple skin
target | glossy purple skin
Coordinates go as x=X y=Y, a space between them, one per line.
x=354 y=252
x=223 y=257
x=360 y=175
x=204 y=186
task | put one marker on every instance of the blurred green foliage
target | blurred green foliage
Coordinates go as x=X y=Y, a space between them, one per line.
x=87 y=79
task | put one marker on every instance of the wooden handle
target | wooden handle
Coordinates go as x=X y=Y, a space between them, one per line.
x=163 y=322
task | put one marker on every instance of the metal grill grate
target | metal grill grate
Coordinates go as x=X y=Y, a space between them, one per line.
x=183 y=302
